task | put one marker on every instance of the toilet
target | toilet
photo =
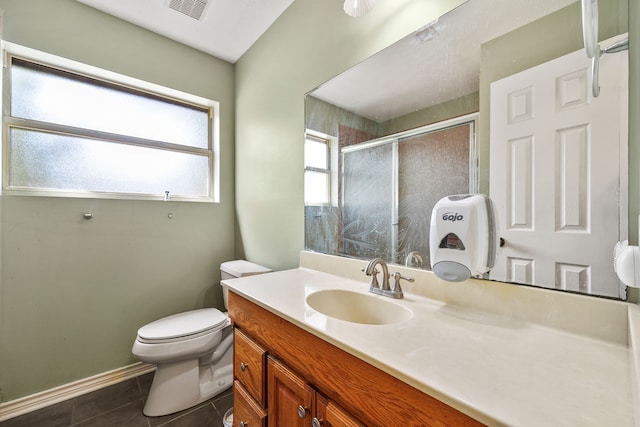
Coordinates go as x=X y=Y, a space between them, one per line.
x=193 y=352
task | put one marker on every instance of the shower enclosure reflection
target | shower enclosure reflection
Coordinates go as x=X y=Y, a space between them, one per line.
x=387 y=189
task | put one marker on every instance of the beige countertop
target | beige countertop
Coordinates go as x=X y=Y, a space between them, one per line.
x=499 y=369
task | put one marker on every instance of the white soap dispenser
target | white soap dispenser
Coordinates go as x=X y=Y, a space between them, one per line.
x=626 y=263
x=463 y=237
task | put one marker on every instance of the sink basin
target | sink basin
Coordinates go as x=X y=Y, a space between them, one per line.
x=357 y=307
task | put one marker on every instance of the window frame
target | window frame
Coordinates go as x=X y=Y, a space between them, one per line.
x=329 y=171
x=212 y=152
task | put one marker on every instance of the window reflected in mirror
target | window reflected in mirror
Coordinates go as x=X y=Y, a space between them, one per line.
x=387 y=189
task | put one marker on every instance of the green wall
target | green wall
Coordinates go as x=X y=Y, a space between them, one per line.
x=310 y=43
x=73 y=292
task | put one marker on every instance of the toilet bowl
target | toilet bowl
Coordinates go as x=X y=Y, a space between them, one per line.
x=193 y=352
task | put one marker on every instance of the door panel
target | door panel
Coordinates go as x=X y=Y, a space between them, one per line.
x=558 y=173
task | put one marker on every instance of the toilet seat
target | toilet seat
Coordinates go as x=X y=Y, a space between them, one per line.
x=188 y=325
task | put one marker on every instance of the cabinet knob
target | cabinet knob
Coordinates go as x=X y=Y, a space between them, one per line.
x=244 y=424
x=243 y=367
x=302 y=411
x=316 y=422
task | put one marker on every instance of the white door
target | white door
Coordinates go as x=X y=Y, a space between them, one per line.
x=558 y=173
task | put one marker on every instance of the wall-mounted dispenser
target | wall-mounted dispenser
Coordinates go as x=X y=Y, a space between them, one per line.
x=626 y=263
x=463 y=237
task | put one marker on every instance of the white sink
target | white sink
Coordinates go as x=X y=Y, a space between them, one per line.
x=358 y=307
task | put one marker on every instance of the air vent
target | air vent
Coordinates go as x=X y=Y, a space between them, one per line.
x=192 y=8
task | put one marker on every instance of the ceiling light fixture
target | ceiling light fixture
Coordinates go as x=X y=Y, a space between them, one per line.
x=358 y=7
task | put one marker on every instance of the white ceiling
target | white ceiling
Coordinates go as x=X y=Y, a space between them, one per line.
x=413 y=74
x=226 y=29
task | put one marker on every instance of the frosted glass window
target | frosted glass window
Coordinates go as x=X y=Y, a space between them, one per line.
x=50 y=95
x=317 y=174
x=45 y=160
x=315 y=153
x=77 y=131
x=315 y=187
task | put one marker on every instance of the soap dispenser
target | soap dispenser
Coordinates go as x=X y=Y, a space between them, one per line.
x=463 y=237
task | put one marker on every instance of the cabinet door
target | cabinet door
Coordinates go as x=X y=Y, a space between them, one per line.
x=328 y=414
x=320 y=419
x=291 y=399
x=246 y=412
x=337 y=417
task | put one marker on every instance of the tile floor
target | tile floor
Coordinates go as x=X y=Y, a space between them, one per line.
x=120 y=405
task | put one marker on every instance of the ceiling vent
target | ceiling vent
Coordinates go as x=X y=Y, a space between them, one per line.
x=192 y=8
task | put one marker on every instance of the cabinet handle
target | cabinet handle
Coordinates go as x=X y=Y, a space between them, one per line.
x=315 y=422
x=302 y=411
x=243 y=424
x=243 y=367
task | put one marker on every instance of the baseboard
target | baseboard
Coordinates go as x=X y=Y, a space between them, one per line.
x=64 y=392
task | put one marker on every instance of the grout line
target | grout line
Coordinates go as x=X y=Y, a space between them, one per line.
x=102 y=414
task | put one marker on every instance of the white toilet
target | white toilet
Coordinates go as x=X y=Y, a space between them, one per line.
x=193 y=352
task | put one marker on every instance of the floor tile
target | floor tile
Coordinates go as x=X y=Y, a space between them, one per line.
x=120 y=405
x=223 y=402
x=58 y=415
x=144 y=382
x=129 y=415
x=105 y=400
x=204 y=416
x=161 y=421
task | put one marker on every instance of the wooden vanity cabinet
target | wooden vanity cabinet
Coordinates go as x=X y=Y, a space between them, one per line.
x=343 y=387
x=295 y=403
x=249 y=386
x=331 y=415
x=249 y=367
x=291 y=400
x=246 y=411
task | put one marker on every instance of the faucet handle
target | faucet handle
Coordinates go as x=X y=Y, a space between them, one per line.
x=398 y=276
x=374 y=278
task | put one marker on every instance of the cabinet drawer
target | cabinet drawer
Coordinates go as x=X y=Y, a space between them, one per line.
x=245 y=410
x=249 y=366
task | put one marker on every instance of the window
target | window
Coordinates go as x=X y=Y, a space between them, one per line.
x=77 y=131
x=317 y=170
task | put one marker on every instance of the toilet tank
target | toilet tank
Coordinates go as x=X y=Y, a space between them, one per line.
x=238 y=268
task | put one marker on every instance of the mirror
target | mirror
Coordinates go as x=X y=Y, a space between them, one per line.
x=411 y=125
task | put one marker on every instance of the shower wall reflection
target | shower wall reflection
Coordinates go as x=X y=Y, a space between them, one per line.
x=387 y=188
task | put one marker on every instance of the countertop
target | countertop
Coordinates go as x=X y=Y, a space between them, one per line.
x=495 y=368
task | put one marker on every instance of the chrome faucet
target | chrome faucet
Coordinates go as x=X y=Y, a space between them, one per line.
x=370 y=270
x=384 y=289
x=411 y=257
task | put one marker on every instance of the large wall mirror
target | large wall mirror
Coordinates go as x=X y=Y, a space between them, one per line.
x=447 y=110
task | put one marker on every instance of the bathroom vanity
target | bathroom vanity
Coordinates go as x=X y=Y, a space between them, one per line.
x=278 y=357
x=469 y=353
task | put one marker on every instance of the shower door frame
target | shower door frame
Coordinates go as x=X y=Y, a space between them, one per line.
x=471 y=120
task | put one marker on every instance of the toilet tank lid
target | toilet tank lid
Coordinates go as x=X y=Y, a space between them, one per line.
x=239 y=268
x=183 y=324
